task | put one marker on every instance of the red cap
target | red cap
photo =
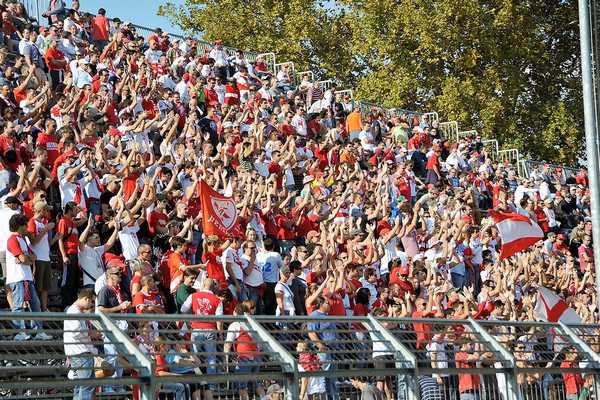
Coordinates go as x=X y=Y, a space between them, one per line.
x=404 y=270
x=114 y=132
x=186 y=77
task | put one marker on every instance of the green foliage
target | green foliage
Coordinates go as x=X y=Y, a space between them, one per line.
x=508 y=68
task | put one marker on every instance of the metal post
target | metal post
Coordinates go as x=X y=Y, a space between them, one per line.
x=591 y=134
x=511 y=377
x=147 y=366
x=292 y=389
x=409 y=360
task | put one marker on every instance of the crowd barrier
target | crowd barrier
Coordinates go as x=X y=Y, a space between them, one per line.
x=512 y=360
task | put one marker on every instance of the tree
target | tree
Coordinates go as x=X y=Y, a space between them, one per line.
x=509 y=69
x=303 y=31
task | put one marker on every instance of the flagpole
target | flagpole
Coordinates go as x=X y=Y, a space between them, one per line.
x=591 y=133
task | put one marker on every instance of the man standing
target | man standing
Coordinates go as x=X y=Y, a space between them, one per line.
x=113 y=300
x=204 y=333
x=11 y=207
x=270 y=262
x=79 y=346
x=68 y=244
x=19 y=278
x=38 y=228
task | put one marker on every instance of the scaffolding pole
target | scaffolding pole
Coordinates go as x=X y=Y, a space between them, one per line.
x=591 y=133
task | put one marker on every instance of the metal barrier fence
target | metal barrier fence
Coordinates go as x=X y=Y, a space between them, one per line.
x=238 y=357
x=449 y=130
x=535 y=167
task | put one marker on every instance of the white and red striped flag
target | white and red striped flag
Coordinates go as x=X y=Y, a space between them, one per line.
x=550 y=307
x=517 y=232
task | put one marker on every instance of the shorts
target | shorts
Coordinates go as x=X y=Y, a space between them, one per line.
x=41 y=275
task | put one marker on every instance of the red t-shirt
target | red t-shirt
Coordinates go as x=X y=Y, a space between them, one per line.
x=283 y=232
x=141 y=298
x=466 y=382
x=214 y=269
x=336 y=302
x=573 y=381
x=432 y=162
x=423 y=331
x=50 y=142
x=67 y=228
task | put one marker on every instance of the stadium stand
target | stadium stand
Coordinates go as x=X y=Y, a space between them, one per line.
x=364 y=262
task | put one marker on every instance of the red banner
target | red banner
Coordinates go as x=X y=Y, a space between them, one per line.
x=219 y=214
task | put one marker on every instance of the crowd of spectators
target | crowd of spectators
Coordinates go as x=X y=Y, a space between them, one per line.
x=106 y=135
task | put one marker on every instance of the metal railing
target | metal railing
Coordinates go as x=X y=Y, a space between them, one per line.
x=408 y=358
x=449 y=130
x=467 y=134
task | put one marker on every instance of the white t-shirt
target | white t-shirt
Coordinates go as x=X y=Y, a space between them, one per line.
x=232 y=256
x=439 y=349
x=391 y=253
x=299 y=123
x=5 y=214
x=42 y=248
x=129 y=241
x=15 y=271
x=90 y=260
x=255 y=277
x=270 y=262
x=76 y=336
x=288 y=299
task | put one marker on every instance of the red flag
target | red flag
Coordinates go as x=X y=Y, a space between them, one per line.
x=517 y=232
x=219 y=214
x=551 y=308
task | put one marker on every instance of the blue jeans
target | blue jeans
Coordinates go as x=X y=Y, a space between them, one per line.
x=205 y=342
x=458 y=281
x=111 y=356
x=178 y=388
x=81 y=368
x=18 y=290
x=243 y=368
x=332 y=392
x=469 y=396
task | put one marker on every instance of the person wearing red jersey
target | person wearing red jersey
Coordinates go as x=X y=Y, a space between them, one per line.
x=19 y=277
x=205 y=303
x=177 y=263
x=148 y=300
x=469 y=385
x=573 y=380
x=38 y=228
x=49 y=140
x=246 y=350
x=68 y=244
x=214 y=268
x=56 y=63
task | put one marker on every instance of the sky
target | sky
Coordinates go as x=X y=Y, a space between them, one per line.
x=139 y=12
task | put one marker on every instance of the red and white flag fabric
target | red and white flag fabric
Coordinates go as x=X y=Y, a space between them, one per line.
x=219 y=214
x=550 y=307
x=517 y=232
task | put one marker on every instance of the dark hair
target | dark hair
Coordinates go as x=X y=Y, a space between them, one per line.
x=177 y=242
x=102 y=11
x=17 y=221
x=86 y=293
x=362 y=296
x=70 y=206
x=295 y=265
